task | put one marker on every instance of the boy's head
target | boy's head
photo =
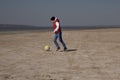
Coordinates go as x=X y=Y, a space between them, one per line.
x=52 y=19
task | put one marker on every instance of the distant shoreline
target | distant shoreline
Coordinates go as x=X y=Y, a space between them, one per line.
x=6 y=27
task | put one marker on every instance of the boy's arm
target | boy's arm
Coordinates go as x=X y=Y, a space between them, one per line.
x=57 y=26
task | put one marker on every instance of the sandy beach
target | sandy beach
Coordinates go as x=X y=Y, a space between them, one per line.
x=92 y=55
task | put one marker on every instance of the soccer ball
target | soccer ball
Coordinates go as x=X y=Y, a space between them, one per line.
x=47 y=48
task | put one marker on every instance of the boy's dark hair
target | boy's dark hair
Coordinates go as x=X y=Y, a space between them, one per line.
x=52 y=18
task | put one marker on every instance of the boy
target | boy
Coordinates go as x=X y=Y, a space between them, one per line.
x=58 y=33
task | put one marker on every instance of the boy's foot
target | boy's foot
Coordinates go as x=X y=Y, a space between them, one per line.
x=58 y=49
x=65 y=49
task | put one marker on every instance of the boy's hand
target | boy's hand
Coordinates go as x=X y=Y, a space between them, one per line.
x=54 y=31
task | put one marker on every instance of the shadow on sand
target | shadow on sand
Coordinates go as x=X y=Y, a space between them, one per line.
x=70 y=50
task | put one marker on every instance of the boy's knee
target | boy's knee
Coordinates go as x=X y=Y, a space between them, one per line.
x=60 y=39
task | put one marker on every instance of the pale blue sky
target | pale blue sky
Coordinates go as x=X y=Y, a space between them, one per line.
x=70 y=12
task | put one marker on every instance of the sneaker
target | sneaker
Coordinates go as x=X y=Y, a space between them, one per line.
x=65 y=49
x=58 y=49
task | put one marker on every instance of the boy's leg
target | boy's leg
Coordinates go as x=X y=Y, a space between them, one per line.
x=61 y=40
x=55 y=41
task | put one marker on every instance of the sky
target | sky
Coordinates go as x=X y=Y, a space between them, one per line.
x=70 y=12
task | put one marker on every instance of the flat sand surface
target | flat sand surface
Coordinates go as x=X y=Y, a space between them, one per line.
x=92 y=55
